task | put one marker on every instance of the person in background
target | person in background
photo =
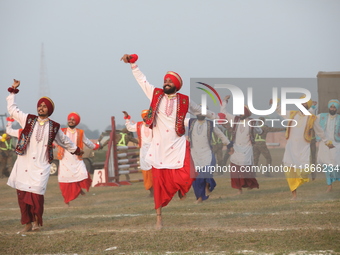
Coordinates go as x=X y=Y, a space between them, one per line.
x=72 y=174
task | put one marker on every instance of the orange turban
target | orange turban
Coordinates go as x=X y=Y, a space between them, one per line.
x=75 y=116
x=49 y=103
x=175 y=78
x=144 y=113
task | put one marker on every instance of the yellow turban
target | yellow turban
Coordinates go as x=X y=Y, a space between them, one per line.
x=309 y=103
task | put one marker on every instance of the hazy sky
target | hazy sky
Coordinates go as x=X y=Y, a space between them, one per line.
x=84 y=41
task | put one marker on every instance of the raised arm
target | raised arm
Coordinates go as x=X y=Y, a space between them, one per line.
x=12 y=107
x=224 y=110
x=195 y=109
x=129 y=126
x=139 y=76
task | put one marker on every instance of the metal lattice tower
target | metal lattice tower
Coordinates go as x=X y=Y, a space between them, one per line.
x=43 y=84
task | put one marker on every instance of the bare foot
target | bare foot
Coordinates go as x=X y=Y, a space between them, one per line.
x=294 y=195
x=329 y=188
x=27 y=228
x=239 y=192
x=67 y=205
x=199 y=200
x=35 y=226
x=159 y=223
x=82 y=193
x=207 y=192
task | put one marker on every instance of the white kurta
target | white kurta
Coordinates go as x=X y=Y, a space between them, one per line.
x=71 y=169
x=200 y=147
x=326 y=155
x=146 y=134
x=32 y=170
x=297 y=150
x=167 y=149
x=243 y=148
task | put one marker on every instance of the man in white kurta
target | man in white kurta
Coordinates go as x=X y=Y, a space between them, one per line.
x=296 y=158
x=200 y=137
x=329 y=159
x=242 y=158
x=169 y=153
x=31 y=170
x=144 y=134
x=73 y=176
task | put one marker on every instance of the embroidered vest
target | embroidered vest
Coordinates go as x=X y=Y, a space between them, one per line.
x=181 y=111
x=323 y=123
x=251 y=129
x=139 y=135
x=210 y=128
x=308 y=133
x=26 y=134
x=80 y=144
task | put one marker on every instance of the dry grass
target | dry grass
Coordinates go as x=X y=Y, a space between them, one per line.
x=122 y=218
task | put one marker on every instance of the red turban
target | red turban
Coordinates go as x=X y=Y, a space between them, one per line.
x=49 y=103
x=144 y=113
x=75 y=116
x=175 y=78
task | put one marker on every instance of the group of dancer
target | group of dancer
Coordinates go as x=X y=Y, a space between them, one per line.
x=170 y=163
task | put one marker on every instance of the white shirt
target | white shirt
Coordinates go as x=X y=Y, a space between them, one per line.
x=32 y=170
x=243 y=148
x=71 y=169
x=200 y=148
x=297 y=150
x=326 y=155
x=167 y=149
x=146 y=134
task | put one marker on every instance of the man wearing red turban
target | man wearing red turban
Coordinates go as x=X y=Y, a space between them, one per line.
x=243 y=138
x=169 y=152
x=72 y=173
x=31 y=170
x=144 y=134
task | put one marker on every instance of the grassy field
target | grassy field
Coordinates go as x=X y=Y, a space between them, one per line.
x=120 y=220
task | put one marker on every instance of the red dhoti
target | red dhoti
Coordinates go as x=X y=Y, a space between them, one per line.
x=166 y=182
x=31 y=207
x=242 y=179
x=72 y=190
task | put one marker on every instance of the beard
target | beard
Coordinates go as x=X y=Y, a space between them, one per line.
x=169 y=90
x=72 y=126
x=243 y=117
x=200 y=117
x=332 y=112
x=42 y=115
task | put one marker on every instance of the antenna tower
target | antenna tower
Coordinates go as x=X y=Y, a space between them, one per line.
x=43 y=84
